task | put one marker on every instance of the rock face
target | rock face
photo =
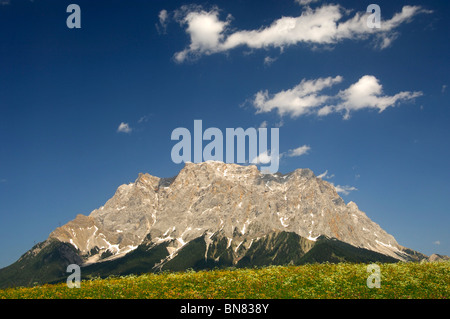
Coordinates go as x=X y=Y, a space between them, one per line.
x=236 y=201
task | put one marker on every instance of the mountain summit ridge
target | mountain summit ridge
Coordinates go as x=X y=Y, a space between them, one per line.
x=209 y=196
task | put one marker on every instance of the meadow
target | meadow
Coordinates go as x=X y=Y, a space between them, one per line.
x=318 y=281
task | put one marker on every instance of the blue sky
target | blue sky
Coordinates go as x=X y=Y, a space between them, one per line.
x=368 y=109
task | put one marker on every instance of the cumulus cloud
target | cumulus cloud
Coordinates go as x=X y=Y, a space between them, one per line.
x=299 y=151
x=308 y=98
x=368 y=93
x=301 y=99
x=325 y=25
x=437 y=242
x=124 y=128
x=204 y=28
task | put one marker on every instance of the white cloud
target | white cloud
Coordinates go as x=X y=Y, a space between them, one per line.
x=163 y=16
x=345 y=190
x=444 y=87
x=368 y=93
x=305 y=2
x=437 y=242
x=324 y=25
x=280 y=123
x=299 y=100
x=299 y=151
x=307 y=98
x=205 y=30
x=325 y=175
x=124 y=128
x=263 y=124
x=163 y=21
x=269 y=60
x=262 y=158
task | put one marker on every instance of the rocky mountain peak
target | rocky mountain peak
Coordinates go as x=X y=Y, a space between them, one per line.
x=238 y=202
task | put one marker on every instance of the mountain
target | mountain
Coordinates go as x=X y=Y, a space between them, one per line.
x=437 y=258
x=211 y=214
x=46 y=262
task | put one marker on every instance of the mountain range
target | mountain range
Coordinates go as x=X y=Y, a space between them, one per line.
x=210 y=215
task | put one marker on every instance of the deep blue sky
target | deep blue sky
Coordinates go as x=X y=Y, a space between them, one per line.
x=64 y=92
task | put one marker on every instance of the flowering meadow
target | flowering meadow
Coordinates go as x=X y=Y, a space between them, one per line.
x=324 y=281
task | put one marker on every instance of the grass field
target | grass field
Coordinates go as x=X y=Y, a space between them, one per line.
x=398 y=281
